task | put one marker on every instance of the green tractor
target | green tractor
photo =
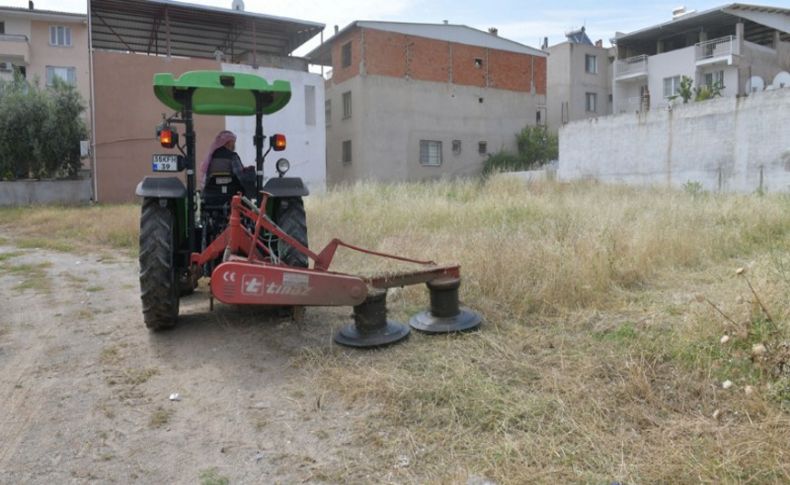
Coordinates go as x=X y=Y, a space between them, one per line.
x=250 y=237
x=178 y=220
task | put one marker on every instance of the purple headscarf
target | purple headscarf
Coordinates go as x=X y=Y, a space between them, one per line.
x=222 y=138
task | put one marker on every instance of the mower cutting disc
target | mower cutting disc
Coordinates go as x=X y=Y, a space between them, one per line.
x=428 y=323
x=371 y=327
x=445 y=315
x=391 y=332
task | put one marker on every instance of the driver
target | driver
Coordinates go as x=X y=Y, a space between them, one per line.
x=223 y=148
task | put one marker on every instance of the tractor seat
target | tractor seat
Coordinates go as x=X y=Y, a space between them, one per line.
x=221 y=184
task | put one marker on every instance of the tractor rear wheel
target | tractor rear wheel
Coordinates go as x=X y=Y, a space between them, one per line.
x=289 y=214
x=159 y=282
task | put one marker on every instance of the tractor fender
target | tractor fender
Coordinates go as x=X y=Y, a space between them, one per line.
x=286 y=187
x=161 y=188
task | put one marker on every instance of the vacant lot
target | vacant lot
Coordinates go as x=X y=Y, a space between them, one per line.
x=631 y=336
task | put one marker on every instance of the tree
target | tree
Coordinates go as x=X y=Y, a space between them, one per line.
x=536 y=146
x=40 y=130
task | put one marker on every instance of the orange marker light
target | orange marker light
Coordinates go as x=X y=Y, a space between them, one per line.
x=166 y=138
x=278 y=142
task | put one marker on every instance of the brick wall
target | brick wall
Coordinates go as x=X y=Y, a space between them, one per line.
x=397 y=55
x=340 y=73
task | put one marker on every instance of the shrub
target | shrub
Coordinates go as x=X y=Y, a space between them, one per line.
x=40 y=130
x=536 y=146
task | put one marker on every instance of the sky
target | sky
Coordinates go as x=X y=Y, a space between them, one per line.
x=524 y=21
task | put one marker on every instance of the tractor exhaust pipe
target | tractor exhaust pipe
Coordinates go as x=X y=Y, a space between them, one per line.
x=445 y=314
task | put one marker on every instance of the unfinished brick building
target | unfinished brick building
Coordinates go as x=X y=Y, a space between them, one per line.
x=417 y=101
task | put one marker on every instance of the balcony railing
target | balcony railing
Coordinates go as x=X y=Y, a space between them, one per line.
x=631 y=68
x=13 y=38
x=716 y=49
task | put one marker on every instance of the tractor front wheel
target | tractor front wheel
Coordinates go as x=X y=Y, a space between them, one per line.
x=289 y=214
x=159 y=282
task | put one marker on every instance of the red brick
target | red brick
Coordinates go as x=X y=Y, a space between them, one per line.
x=429 y=59
x=465 y=72
x=509 y=70
x=397 y=55
x=385 y=53
x=340 y=73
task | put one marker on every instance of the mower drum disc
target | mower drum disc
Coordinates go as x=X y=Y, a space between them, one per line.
x=371 y=327
x=445 y=315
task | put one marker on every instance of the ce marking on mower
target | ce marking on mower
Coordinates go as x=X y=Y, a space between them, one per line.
x=229 y=277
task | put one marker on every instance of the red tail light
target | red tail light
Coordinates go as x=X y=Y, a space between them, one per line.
x=278 y=142
x=166 y=138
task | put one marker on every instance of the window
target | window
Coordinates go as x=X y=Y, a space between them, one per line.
x=482 y=148
x=328 y=112
x=309 y=105
x=591 y=64
x=671 y=86
x=478 y=62
x=346 y=54
x=347 y=104
x=430 y=153
x=537 y=117
x=347 y=151
x=715 y=78
x=591 y=102
x=456 y=147
x=2 y=27
x=60 y=35
x=68 y=74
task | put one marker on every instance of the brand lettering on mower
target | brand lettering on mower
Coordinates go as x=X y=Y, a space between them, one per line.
x=276 y=289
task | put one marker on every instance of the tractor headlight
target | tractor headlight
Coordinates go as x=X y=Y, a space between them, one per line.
x=283 y=165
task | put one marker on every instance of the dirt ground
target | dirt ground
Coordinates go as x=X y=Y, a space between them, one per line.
x=85 y=388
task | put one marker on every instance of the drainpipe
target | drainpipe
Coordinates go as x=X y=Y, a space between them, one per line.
x=92 y=102
x=739 y=49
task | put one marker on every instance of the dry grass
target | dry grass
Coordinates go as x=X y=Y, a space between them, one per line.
x=73 y=229
x=600 y=359
x=597 y=363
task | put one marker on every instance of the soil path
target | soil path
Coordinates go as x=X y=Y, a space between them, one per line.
x=84 y=387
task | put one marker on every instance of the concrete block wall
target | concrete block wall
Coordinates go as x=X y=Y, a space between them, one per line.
x=34 y=192
x=725 y=144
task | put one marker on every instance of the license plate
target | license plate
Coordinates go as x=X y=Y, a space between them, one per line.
x=165 y=163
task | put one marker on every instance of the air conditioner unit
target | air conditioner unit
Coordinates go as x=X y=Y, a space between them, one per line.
x=6 y=67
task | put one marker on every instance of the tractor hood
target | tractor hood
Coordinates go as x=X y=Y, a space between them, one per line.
x=221 y=93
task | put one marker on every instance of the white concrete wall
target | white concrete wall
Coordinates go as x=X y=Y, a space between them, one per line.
x=306 y=149
x=33 y=192
x=725 y=144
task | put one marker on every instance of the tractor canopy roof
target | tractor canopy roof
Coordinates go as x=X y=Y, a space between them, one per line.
x=221 y=93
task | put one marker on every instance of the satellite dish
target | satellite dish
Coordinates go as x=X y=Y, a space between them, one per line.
x=782 y=80
x=755 y=84
x=238 y=5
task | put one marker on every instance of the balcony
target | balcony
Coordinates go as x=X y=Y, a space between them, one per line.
x=14 y=46
x=723 y=50
x=632 y=68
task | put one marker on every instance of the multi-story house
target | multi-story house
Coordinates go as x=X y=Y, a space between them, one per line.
x=737 y=47
x=41 y=45
x=410 y=101
x=579 y=80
